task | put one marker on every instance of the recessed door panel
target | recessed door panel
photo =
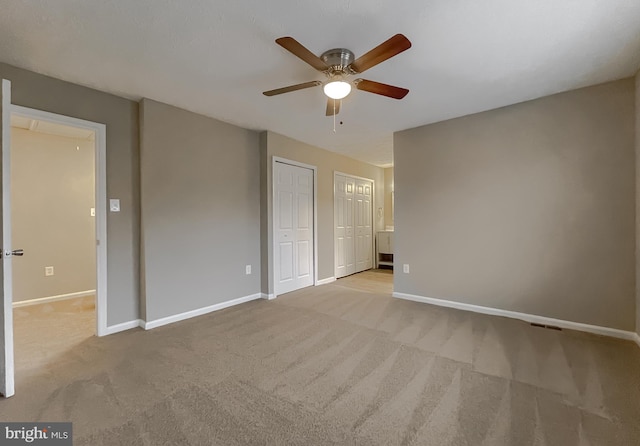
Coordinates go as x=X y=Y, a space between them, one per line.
x=286 y=261
x=304 y=265
x=285 y=209
x=285 y=178
x=304 y=202
x=340 y=254
x=340 y=217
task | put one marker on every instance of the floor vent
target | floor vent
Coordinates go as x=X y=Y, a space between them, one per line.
x=549 y=327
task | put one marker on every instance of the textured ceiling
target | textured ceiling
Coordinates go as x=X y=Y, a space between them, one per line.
x=215 y=57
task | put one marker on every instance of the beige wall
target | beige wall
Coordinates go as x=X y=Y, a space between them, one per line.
x=637 y=103
x=200 y=185
x=273 y=144
x=121 y=118
x=53 y=191
x=529 y=208
x=388 y=194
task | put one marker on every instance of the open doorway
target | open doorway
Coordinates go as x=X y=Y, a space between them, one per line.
x=363 y=247
x=363 y=234
x=59 y=291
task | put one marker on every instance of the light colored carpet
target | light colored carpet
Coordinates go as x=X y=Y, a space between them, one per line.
x=340 y=364
x=45 y=331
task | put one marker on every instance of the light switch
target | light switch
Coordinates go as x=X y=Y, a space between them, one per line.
x=114 y=205
x=93 y=212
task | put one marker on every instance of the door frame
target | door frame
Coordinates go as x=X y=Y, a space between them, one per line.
x=314 y=169
x=100 y=200
x=374 y=225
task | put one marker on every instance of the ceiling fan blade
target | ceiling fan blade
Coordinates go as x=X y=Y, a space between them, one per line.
x=381 y=89
x=292 y=88
x=392 y=47
x=330 y=105
x=297 y=49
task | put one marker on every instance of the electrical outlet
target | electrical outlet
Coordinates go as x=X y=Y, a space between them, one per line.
x=248 y=269
x=48 y=270
x=405 y=268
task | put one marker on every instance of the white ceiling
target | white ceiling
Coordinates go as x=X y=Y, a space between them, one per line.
x=50 y=128
x=216 y=57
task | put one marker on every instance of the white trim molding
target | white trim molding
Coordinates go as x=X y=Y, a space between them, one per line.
x=44 y=300
x=123 y=326
x=325 y=281
x=595 y=329
x=199 y=312
x=267 y=296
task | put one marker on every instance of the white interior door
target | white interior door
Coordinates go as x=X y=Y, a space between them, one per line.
x=293 y=223
x=363 y=225
x=6 y=318
x=344 y=230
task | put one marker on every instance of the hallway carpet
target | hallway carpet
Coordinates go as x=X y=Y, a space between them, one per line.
x=340 y=364
x=44 y=331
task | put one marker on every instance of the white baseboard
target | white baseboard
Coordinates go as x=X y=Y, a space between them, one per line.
x=267 y=296
x=325 y=281
x=596 y=329
x=199 y=312
x=123 y=326
x=44 y=300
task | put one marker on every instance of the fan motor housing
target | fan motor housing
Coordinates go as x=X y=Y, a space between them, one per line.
x=338 y=58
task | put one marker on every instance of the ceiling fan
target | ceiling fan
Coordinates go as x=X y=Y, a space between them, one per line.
x=340 y=63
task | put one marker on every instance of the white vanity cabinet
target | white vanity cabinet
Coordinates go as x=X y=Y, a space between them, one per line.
x=384 y=248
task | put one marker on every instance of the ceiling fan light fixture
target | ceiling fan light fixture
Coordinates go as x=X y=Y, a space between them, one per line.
x=337 y=89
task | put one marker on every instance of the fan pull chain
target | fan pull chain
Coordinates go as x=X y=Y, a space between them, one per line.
x=334 y=116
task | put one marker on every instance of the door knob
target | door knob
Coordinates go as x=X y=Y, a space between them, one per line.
x=14 y=253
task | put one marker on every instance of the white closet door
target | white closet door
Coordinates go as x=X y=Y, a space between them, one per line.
x=363 y=225
x=353 y=225
x=293 y=223
x=344 y=231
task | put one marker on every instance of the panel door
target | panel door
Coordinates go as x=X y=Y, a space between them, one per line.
x=363 y=225
x=344 y=226
x=6 y=317
x=293 y=223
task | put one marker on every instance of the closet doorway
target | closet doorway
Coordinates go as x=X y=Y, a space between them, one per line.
x=353 y=224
